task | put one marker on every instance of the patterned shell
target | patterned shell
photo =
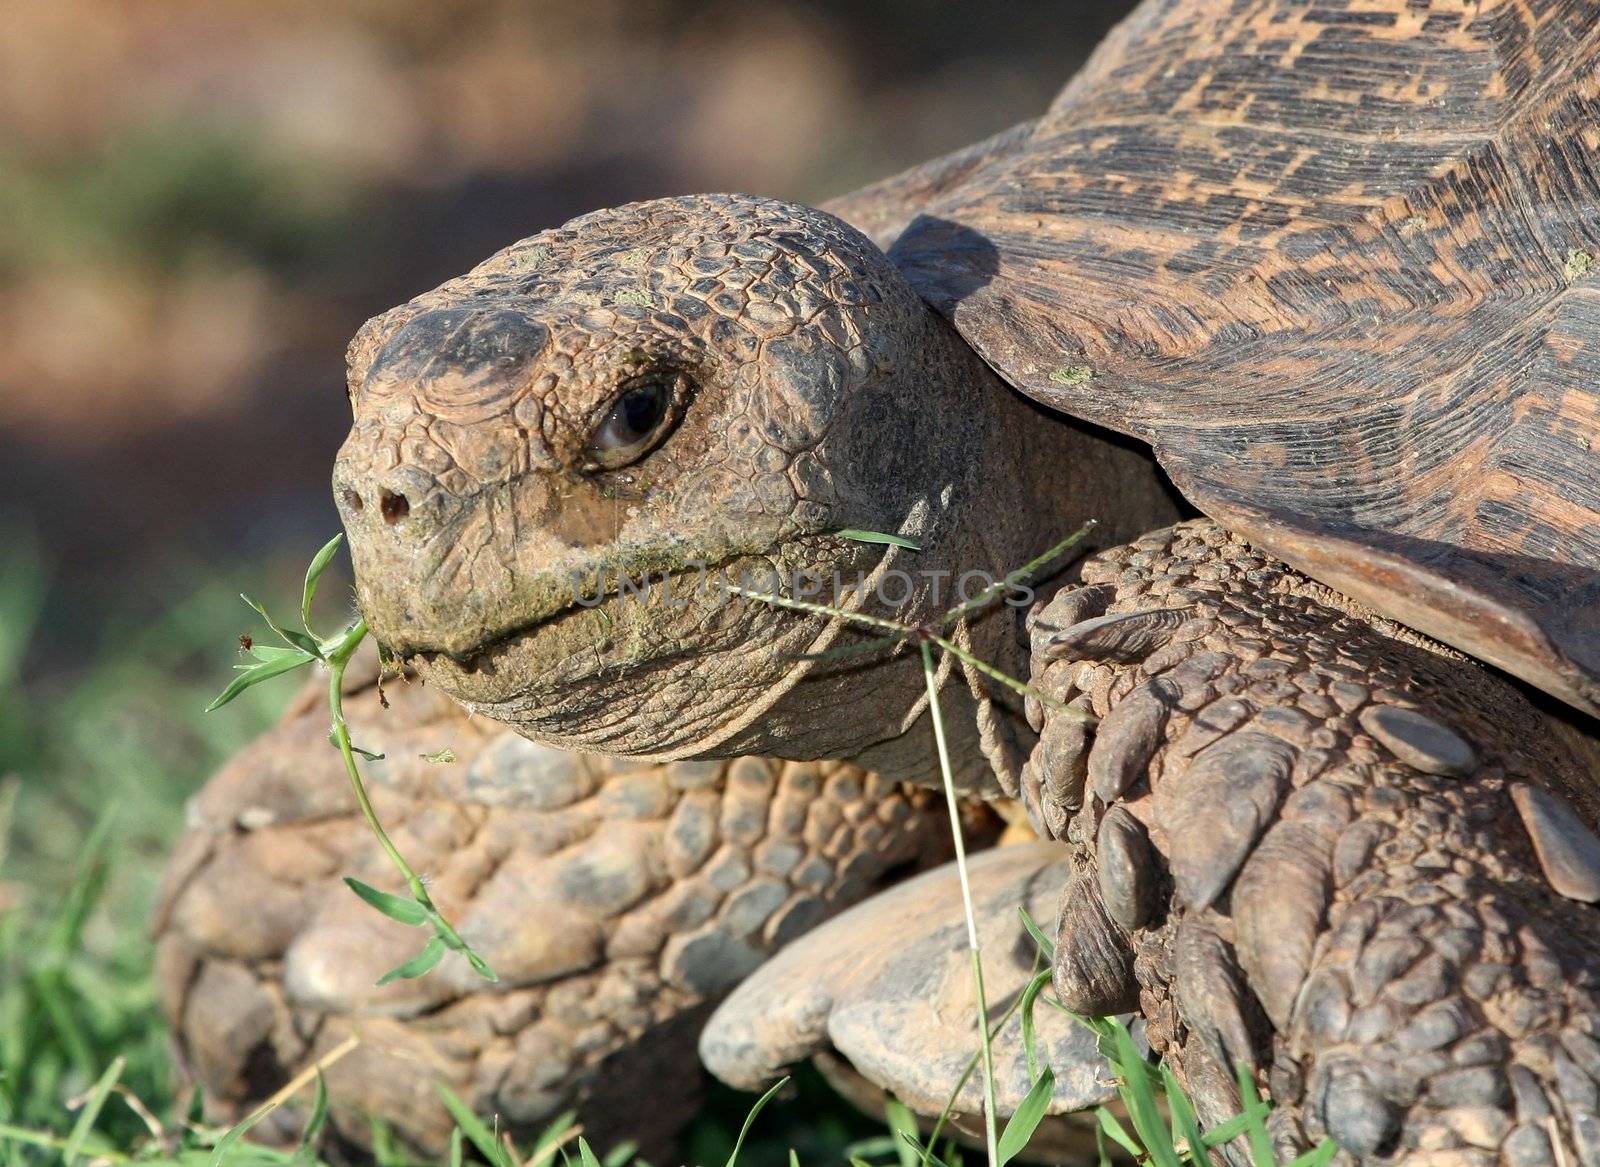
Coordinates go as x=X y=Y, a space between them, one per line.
x=1338 y=262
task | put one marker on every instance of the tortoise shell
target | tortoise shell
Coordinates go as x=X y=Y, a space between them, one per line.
x=1338 y=263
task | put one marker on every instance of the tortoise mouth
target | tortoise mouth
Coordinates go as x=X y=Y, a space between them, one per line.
x=631 y=622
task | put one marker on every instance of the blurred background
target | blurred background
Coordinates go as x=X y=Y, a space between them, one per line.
x=201 y=200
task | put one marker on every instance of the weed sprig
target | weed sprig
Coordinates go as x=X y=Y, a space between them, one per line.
x=302 y=648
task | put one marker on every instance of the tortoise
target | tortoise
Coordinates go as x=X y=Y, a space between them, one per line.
x=1300 y=302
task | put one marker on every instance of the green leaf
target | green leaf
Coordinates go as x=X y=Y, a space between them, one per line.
x=271 y=654
x=1030 y=998
x=1319 y=1156
x=749 y=1119
x=1029 y=1114
x=1256 y=1132
x=90 y=1114
x=479 y=965
x=395 y=907
x=901 y=1121
x=482 y=1137
x=1139 y=1095
x=1045 y=946
x=925 y=1152
x=1116 y=1133
x=794 y=1160
x=305 y=1151
x=861 y=536
x=1226 y=1132
x=255 y=674
x=619 y=1155
x=1184 y=1123
x=585 y=1154
x=421 y=964
x=92 y=870
x=369 y=755
x=544 y=1147
x=455 y=1146
x=319 y=564
x=225 y=1145
x=299 y=639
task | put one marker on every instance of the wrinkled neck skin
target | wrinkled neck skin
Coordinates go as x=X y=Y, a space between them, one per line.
x=811 y=391
x=1016 y=480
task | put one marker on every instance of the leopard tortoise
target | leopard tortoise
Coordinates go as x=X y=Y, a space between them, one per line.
x=1300 y=301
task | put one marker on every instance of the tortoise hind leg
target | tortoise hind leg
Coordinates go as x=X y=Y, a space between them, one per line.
x=1319 y=845
x=617 y=900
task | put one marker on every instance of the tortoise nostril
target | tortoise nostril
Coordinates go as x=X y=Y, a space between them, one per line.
x=353 y=500
x=394 y=506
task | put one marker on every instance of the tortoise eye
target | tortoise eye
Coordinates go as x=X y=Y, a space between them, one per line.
x=638 y=419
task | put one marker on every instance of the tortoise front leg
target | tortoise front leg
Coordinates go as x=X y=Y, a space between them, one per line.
x=617 y=900
x=1315 y=843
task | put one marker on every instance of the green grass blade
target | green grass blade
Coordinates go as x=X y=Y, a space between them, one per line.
x=585 y=1154
x=1117 y=1133
x=1261 y=1152
x=925 y=1151
x=1184 y=1123
x=305 y=1154
x=90 y=1114
x=88 y=884
x=1046 y=948
x=1021 y=575
x=455 y=1147
x=861 y=618
x=860 y=536
x=1030 y=998
x=395 y=907
x=901 y=1121
x=848 y=651
x=620 y=1155
x=749 y=1119
x=473 y=1126
x=1027 y=1117
x=1226 y=1132
x=228 y=1145
x=1319 y=1156
x=1139 y=1095
x=553 y=1135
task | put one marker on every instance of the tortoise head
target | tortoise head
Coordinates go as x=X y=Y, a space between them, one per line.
x=557 y=458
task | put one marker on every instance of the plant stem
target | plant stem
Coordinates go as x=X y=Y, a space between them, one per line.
x=991 y=1139
x=338 y=661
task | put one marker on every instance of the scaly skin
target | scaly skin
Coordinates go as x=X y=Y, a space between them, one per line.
x=497 y=473
x=1276 y=879
x=616 y=900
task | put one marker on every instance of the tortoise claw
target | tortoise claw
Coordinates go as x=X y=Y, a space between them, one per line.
x=1120 y=638
x=1094 y=959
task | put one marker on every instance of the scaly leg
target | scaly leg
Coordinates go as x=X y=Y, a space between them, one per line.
x=1314 y=842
